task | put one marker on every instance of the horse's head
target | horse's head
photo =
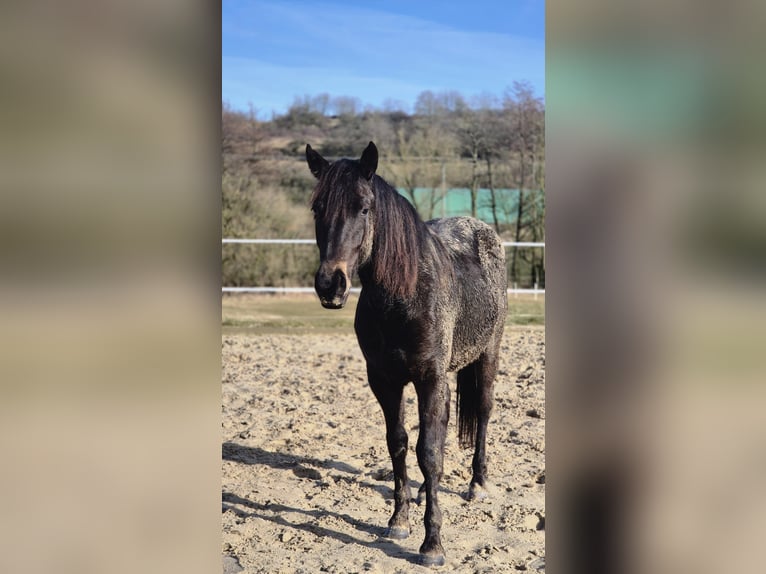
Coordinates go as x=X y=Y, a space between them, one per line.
x=344 y=205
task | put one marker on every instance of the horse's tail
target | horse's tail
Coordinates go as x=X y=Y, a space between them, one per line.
x=468 y=398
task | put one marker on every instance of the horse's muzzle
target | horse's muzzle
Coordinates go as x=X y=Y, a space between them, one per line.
x=332 y=286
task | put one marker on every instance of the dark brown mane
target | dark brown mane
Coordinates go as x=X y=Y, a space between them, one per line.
x=396 y=243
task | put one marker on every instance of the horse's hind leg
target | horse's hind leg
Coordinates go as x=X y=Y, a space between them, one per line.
x=390 y=397
x=485 y=369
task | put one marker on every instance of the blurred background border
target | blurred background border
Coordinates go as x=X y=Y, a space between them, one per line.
x=110 y=290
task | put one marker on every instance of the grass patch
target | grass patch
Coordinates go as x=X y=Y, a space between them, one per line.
x=297 y=313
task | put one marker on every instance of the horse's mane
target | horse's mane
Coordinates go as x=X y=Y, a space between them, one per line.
x=396 y=242
x=397 y=227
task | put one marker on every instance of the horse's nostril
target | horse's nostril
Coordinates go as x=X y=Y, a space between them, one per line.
x=341 y=281
x=322 y=282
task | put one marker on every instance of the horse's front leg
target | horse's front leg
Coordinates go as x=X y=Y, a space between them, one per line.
x=390 y=397
x=433 y=408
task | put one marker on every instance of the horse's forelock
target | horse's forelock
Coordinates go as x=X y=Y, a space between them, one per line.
x=336 y=187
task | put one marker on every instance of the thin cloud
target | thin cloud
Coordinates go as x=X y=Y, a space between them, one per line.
x=295 y=48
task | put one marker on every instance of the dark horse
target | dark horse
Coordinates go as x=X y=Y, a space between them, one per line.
x=433 y=301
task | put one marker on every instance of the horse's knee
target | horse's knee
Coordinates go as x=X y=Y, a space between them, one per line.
x=397 y=442
x=430 y=459
x=397 y=450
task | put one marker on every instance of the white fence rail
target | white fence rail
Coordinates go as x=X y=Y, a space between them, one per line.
x=272 y=241
x=513 y=291
x=313 y=242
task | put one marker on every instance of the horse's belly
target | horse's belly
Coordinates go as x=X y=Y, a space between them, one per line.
x=468 y=346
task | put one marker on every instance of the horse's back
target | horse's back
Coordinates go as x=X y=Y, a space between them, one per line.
x=469 y=237
x=478 y=298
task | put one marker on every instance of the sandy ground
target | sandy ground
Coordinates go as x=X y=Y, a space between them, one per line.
x=307 y=481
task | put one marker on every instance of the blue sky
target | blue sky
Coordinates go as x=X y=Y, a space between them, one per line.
x=380 y=50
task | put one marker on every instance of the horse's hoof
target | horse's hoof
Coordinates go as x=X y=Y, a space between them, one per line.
x=431 y=559
x=477 y=492
x=396 y=532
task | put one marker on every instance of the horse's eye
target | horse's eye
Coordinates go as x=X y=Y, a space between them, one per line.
x=365 y=211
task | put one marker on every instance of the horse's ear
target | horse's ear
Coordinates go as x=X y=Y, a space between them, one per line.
x=369 y=161
x=317 y=164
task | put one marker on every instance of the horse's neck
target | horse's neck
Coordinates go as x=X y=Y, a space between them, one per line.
x=366 y=272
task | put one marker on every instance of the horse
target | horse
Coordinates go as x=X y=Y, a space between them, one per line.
x=433 y=301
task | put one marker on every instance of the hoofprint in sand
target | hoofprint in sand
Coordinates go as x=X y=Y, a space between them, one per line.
x=307 y=480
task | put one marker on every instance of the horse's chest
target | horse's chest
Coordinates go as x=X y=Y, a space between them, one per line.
x=403 y=349
x=389 y=350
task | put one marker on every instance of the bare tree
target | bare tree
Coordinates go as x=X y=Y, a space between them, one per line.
x=346 y=106
x=470 y=133
x=525 y=112
x=422 y=146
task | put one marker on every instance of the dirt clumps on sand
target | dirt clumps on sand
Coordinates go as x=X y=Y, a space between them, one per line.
x=307 y=481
